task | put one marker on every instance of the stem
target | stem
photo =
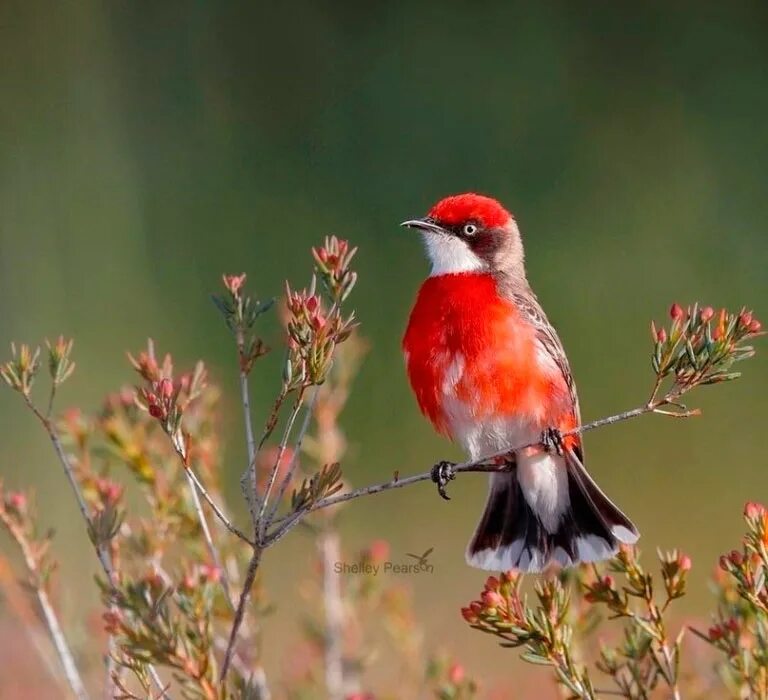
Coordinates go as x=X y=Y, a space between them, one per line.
x=484 y=464
x=261 y=524
x=294 y=459
x=328 y=546
x=250 y=577
x=248 y=480
x=51 y=620
x=198 y=486
x=62 y=648
x=101 y=550
x=208 y=539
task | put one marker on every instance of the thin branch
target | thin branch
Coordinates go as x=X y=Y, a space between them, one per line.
x=329 y=549
x=261 y=524
x=248 y=480
x=215 y=507
x=250 y=577
x=294 y=458
x=71 y=671
x=484 y=464
x=214 y=553
x=101 y=550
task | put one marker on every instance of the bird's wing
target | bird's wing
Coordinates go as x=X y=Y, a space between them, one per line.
x=427 y=553
x=546 y=334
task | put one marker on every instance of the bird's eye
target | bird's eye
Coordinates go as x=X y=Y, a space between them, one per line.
x=469 y=229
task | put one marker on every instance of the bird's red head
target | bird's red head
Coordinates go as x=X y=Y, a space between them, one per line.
x=462 y=208
x=471 y=233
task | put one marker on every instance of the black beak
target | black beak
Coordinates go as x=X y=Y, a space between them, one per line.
x=425 y=224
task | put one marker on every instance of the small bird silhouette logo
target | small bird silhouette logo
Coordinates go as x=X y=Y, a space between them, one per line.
x=421 y=559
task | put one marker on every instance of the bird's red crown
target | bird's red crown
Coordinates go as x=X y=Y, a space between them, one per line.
x=460 y=208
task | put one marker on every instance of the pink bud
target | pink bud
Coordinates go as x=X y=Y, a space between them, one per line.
x=755 y=326
x=155 y=411
x=608 y=582
x=456 y=673
x=715 y=633
x=754 y=510
x=661 y=335
x=468 y=615
x=684 y=562
x=676 y=312
x=492 y=584
x=166 y=388
x=707 y=313
x=735 y=558
x=491 y=599
x=311 y=303
x=210 y=573
x=732 y=625
x=745 y=318
x=17 y=500
x=234 y=283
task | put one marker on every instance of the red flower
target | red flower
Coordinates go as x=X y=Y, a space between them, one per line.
x=754 y=510
x=676 y=312
x=234 y=283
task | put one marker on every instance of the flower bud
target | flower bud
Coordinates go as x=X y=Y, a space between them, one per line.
x=754 y=510
x=456 y=673
x=468 y=615
x=661 y=335
x=491 y=599
x=715 y=632
x=755 y=326
x=684 y=562
x=676 y=312
x=707 y=313
x=166 y=388
x=745 y=318
x=492 y=584
x=17 y=501
x=155 y=411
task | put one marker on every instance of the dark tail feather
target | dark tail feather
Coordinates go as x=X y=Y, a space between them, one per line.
x=511 y=536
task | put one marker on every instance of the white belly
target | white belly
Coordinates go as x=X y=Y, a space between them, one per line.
x=542 y=476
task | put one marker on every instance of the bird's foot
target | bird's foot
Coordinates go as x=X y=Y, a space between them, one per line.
x=552 y=440
x=442 y=473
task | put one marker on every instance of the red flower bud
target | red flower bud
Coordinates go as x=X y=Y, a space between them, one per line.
x=456 y=674
x=684 y=562
x=17 y=501
x=210 y=573
x=755 y=326
x=311 y=303
x=661 y=336
x=745 y=318
x=676 y=312
x=492 y=584
x=166 y=388
x=468 y=615
x=735 y=558
x=707 y=313
x=754 y=510
x=491 y=599
x=155 y=411
x=715 y=633
x=732 y=625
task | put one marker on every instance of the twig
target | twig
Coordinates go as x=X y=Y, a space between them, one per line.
x=250 y=577
x=294 y=458
x=193 y=487
x=248 y=480
x=328 y=546
x=71 y=671
x=261 y=524
x=193 y=478
x=484 y=464
x=101 y=550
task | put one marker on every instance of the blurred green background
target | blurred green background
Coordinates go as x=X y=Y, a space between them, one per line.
x=145 y=148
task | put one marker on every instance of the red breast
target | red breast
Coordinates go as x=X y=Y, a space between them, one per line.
x=465 y=341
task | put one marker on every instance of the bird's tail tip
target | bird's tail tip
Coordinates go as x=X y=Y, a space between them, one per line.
x=511 y=537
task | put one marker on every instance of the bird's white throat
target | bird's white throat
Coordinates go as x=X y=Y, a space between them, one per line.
x=450 y=255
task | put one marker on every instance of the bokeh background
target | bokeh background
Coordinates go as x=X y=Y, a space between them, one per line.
x=145 y=148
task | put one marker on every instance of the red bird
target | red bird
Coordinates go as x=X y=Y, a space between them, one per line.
x=490 y=372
